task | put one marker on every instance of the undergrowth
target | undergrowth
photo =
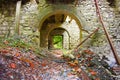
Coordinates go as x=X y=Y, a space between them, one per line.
x=20 y=43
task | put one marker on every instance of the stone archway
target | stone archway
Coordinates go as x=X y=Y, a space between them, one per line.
x=59 y=21
x=54 y=16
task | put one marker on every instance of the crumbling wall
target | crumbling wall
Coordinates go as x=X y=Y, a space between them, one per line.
x=29 y=20
x=33 y=15
x=7 y=13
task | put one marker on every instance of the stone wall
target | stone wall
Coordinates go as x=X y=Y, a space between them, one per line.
x=111 y=18
x=29 y=20
x=85 y=13
x=33 y=15
x=7 y=13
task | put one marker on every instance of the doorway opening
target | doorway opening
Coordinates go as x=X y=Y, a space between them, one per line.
x=58 y=41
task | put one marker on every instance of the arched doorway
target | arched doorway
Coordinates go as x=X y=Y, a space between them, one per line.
x=64 y=20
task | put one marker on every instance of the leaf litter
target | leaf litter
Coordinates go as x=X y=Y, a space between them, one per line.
x=19 y=64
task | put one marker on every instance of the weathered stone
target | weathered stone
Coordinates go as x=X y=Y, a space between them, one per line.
x=33 y=15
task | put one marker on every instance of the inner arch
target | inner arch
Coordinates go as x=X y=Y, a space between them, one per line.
x=60 y=20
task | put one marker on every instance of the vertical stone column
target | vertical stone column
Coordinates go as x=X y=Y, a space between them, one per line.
x=43 y=39
x=65 y=40
x=50 y=42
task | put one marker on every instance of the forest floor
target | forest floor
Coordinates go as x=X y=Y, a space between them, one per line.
x=19 y=61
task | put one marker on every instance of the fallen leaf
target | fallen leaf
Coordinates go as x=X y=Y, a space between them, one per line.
x=17 y=54
x=43 y=64
x=32 y=65
x=4 y=51
x=13 y=65
x=25 y=60
x=88 y=51
x=72 y=64
x=93 y=73
x=77 y=69
x=78 y=56
x=76 y=61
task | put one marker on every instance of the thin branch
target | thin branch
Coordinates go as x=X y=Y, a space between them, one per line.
x=86 y=38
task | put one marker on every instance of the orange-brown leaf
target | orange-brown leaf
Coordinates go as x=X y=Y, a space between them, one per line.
x=78 y=56
x=77 y=69
x=43 y=64
x=25 y=60
x=32 y=65
x=72 y=64
x=17 y=54
x=4 y=51
x=13 y=65
x=88 y=51
x=76 y=61
x=93 y=73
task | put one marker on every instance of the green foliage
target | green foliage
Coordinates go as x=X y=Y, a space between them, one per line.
x=17 y=43
x=57 y=41
x=20 y=43
x=14 y=42
x=1 y=43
